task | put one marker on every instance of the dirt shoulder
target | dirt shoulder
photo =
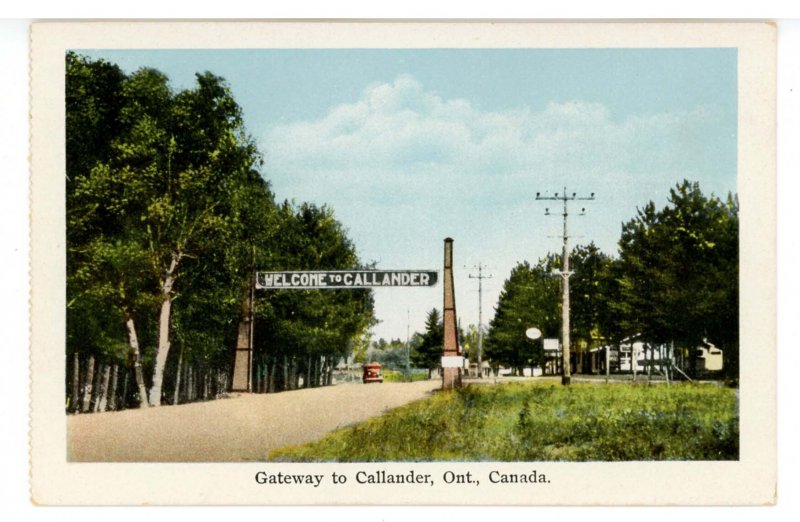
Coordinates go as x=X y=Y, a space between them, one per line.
x=244 y=427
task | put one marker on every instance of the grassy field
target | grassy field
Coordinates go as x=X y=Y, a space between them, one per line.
x=543 y=422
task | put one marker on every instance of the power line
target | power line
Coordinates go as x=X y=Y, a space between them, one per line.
x=480 y=277
x=565 y=274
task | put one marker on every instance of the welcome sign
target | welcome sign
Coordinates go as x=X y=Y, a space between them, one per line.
x=333 y=279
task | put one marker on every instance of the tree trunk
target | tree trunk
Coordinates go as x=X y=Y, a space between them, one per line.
x=272 y=372
x=136 y=357
x=190 y=385
x=125 y=390
x=294 y=374
x=285 y=381
x=98 y=378
x=162 y=350
x=259 y=387
x=87 y=384
x=256 y=375
x=112 y=396
x=163 y=330
x=315 y=372
x=176 y=396
x=256 y=369
x=76 y=379
x=102 y=399
x=187 y=375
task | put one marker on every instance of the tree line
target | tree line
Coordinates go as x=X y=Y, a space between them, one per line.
x=168 y=216
x=675 y=281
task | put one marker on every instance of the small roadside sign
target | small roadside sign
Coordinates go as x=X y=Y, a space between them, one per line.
x=533 y=333
x=551 y=346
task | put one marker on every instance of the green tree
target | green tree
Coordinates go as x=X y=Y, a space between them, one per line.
x=470 y=343
x=428 y=351
x=163 y=191
x=105 y=270
x=587 y=298
x=360 y=347
x=679 y=271
x=93 y=100
x=305 y=330
x=168 y=216
x=391 y=355
x=614 y=312
x=530 y=298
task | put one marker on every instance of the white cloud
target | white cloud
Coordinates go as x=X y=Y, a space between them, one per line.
x=398 y=132
x=403 y=168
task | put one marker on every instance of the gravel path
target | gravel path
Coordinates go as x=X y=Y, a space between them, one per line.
x=243 y=427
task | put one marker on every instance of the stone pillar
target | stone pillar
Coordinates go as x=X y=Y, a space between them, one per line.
x=243 y=362
x=452 y=361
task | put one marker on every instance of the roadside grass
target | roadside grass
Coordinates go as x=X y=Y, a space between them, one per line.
x=543 y=422
x=395 y=376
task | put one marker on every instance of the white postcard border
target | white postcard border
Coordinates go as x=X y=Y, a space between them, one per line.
x=751 y=480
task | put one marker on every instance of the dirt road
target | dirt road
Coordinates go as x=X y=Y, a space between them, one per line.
x=241 y=428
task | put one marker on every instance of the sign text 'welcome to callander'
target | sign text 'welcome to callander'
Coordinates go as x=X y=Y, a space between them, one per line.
x=344 y=279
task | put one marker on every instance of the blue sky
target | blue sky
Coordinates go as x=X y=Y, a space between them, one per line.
x=412 y=146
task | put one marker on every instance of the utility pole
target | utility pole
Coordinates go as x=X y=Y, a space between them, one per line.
x=565 y=274
x=408 y=338
x=480 y=277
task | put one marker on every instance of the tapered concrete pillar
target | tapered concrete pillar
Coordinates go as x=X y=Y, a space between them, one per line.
x=243 y=358
x=452 y=361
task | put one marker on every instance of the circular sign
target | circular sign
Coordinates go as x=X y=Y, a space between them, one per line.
x=533 y=333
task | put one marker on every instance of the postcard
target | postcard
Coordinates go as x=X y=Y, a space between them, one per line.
x=403 y=263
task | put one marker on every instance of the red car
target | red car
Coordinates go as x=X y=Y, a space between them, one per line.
x=373 y=373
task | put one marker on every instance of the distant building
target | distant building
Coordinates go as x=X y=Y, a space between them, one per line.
x=633 y=355
x=709 y=358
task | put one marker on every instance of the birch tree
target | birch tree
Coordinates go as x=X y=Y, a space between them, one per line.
x=167 y=184
x=167 y=217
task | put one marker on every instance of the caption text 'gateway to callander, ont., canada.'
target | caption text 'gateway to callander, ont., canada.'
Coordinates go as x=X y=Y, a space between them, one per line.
x=411 y=477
